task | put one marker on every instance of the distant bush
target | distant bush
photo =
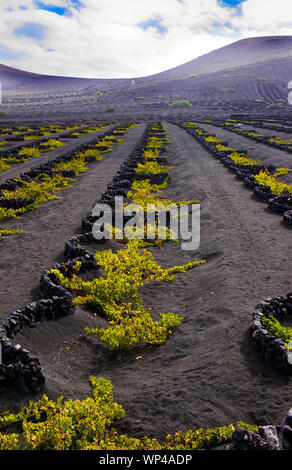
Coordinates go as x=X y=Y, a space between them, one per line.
x=228 y=90
x=274 y=106
x=260 y=101
x=263 y=79
x=110 y=110
x=225 y=75
x=3 y=114
x=147 y=103
x=99 y=93
x=181 y=104
x=176 y=96
x=161 y=97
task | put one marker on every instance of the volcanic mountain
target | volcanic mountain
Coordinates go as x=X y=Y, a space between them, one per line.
x=250 y=75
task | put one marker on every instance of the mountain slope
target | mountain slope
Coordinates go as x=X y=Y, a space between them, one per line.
x=246 y=76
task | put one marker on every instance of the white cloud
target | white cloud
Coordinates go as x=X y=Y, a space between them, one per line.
x=103 y=40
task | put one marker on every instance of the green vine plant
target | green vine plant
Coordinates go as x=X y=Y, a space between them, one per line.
x=153 y=168
x=116 y=294
x=265 y=178
x=42 y=189
x=276 y=329
x=51 y=144
x=7 y=232
x=148 y=196
x=27 y=153
x=87 y=424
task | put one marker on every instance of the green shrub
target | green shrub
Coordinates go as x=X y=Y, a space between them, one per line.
x=51 y=144
x=87 y=425
x=181 y=104
x=228 y=90
x=29 y=152
x=116 y=294
x=276 y=329
x=6 y=233
x=152 y=167
x=110 y=110
x=274 y=106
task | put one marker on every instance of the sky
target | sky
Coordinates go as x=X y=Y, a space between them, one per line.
x=128 y=38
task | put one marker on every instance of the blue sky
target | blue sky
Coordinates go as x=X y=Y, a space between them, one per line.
x=128 y=38
x=153 y=23
x=59 y=10
x=232 y=3
x=31 y=30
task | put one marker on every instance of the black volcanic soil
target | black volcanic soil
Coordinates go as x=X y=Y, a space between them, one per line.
x=207 y=373
x=48 y=227
x=267 y=155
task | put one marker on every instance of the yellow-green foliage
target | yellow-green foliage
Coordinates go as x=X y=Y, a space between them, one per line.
x=156 y=142
x=147 y=194
x=77 y=164
x=238 y=158
x=212 y=139
x=29 y=152
x=241 y=159
x=64 y=425
x=33 y=137
x=91 y=153
x=41 y=191
x=265 y=178
x=279 y=141
x=115 y=293
x=251 y=133
x=149 y=153
x=51 y=144
x=223 y=148
x=181 y=104
x=3 y=165
x=87 y=425
x=5 y=233
x=152 y=167
x=276 y=329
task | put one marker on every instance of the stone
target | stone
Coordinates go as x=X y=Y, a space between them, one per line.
x=247 y=440
x=287 y=437
x=270 y=434
x=288 y=418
